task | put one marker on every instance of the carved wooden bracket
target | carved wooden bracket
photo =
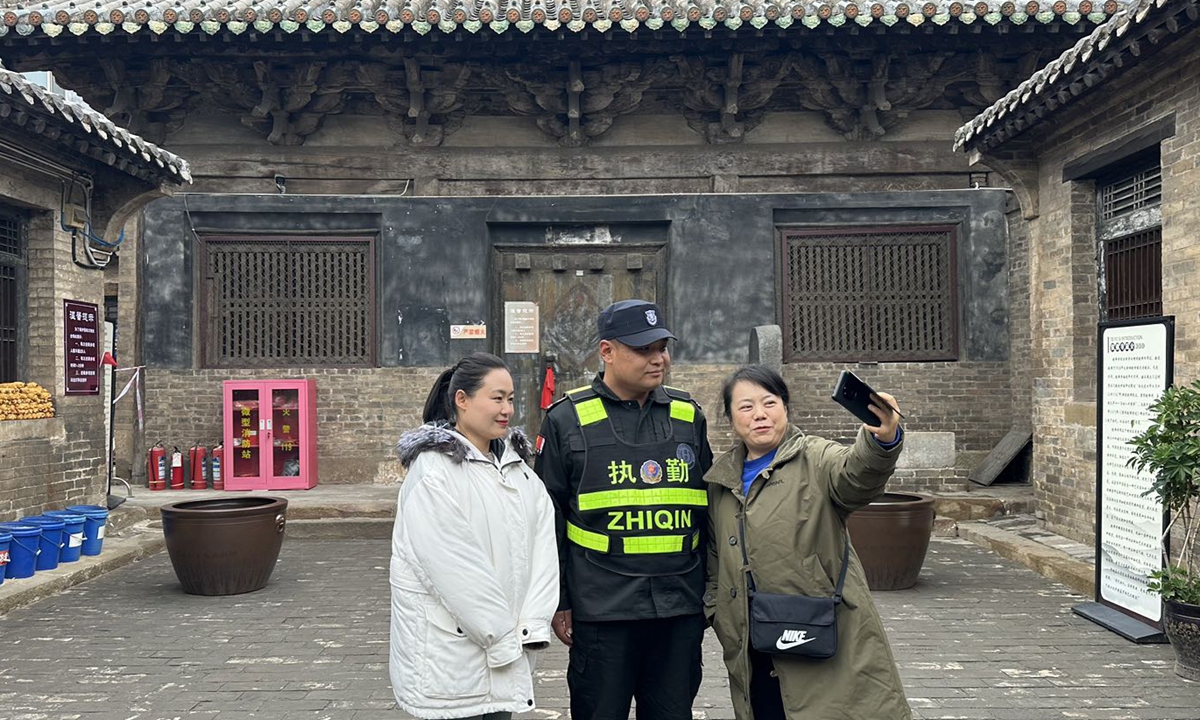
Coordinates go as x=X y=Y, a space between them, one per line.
x=921 y=80
x=423 y=106
x=862 y=91
x=141 y=99
x=723 y=103
x=989 y=85
x=575 y=104
x=285 y=103
x=829 y=83
x=292 y=103
x=864 y=97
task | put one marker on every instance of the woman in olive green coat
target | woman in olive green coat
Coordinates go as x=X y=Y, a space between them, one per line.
x=795 y=491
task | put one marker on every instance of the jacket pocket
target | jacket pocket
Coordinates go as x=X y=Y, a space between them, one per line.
x=455 y=667
x=824 y=584
x=815 y=581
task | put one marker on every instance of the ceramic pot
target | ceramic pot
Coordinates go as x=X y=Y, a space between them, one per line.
x=891 y=536
x=1181 y=621
x=226 y=546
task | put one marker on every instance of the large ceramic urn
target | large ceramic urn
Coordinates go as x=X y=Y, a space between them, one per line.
x=891 y=536
x=226 y=546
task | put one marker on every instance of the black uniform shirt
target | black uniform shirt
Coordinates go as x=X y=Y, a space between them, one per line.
x=591 y=592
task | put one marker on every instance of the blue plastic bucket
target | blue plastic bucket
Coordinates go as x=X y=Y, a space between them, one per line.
x=22 y=549
x=93 y=526
x=72 y=533
x=5 y=541
x=52 y=539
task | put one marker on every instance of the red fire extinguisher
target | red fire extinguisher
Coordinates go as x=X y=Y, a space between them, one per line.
x=196 y=461
x=176 y=469
x=156 y=467
x=216 y=468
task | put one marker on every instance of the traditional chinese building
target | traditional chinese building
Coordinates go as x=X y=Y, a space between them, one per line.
x=70 y=180
x=384 y=186
x=1100 y=147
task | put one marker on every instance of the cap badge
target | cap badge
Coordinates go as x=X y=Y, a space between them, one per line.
x=651 y=317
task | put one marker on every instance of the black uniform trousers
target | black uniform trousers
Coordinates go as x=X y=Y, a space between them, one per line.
x=655 y=661
x=766 y=699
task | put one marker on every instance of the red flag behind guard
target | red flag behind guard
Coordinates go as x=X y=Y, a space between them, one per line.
x=548 y=388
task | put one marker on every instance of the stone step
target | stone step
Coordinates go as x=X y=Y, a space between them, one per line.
x=1047 y=561
x=972 y=506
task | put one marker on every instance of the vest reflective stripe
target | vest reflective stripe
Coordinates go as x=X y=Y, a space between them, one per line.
x=684 y=411
x=642 y=498
x=643 y=545
x=587 y=538
x=590 y=411
x=653 y=544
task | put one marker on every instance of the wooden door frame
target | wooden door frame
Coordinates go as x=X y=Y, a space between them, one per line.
x=660 y=250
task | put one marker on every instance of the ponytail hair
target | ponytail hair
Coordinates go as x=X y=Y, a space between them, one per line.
x=466 y=375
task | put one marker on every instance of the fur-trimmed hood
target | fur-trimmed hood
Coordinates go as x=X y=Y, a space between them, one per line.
x=433 y=437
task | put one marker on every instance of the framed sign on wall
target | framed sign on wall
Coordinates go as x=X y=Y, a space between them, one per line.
x=81 y=344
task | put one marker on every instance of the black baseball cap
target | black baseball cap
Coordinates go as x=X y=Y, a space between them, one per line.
x=635 y=323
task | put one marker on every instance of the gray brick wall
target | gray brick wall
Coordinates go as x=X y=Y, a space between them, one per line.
x=1062 y=264
x=361 y=412
x=935 y=397
x=1019 y=318
x=50 y=463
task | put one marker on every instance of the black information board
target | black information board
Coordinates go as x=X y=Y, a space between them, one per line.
x=1134 y=365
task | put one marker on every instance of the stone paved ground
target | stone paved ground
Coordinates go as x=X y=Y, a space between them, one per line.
x=978 y=638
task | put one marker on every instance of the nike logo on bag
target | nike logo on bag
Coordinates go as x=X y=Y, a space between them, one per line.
x=792 y=638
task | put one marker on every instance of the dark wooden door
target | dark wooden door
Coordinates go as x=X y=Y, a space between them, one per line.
x=570 y=286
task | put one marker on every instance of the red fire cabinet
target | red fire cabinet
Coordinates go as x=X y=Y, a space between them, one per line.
x=270 y=434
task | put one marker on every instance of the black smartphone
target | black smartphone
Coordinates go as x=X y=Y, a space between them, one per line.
x=855 y=395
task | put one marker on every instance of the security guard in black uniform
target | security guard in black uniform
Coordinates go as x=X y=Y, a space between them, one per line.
x=624 y=461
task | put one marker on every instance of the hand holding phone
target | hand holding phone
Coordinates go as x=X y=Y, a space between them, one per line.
x=878 y=411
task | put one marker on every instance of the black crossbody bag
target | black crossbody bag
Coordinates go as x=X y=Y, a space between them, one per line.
x=795 y=625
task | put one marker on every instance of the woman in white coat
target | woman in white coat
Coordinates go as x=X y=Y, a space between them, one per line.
x=474 y=569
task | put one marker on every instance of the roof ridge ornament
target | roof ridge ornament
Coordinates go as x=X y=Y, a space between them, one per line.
x=239 y=16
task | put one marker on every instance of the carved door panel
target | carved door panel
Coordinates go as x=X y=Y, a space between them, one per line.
x=569 y=286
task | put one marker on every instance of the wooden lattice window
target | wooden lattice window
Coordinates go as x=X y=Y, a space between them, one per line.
x=11 y=235
x=289 y=301
x=1129 y=226
x=1132 y=191
x=12 y=268
x=876 y=294
x=1133 y=275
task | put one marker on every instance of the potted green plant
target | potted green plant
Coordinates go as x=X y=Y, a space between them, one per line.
x=1170 y=450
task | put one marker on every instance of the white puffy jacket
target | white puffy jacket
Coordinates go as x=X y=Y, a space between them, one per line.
x=474 y=576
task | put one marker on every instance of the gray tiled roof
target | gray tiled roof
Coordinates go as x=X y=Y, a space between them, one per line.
x=34 y=107
x=56 y=17
x=1060 y=80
